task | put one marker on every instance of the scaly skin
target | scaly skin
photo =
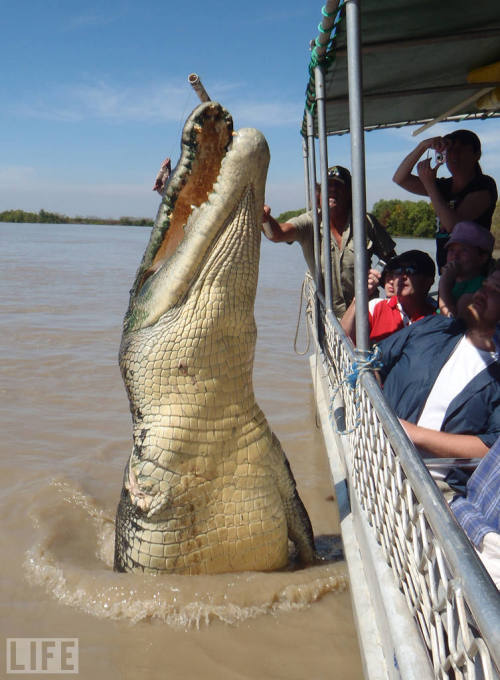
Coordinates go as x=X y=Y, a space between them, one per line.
x=207 y=487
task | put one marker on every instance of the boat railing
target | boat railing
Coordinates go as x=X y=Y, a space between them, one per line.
x=452 y=599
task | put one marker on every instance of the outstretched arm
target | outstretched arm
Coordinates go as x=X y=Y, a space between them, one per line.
x=445 y=444
x=277 y=231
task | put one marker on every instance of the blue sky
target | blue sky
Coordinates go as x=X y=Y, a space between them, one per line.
x=95 y=96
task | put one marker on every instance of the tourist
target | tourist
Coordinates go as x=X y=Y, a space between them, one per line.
x=300 y=229
x=468 y=254
x=412 y=275
x=441 y=376
x=466 y=195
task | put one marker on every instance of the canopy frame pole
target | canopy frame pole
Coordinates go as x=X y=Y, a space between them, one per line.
x=356 y=121
x=314 y=202
x=307 y=186
x=319 y=78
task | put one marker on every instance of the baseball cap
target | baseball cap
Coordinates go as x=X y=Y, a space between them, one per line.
x=466 y=137
x=422 y=262
x=340 y=174
x=472 y=234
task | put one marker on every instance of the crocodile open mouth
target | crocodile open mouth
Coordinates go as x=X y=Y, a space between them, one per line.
x=205 y=142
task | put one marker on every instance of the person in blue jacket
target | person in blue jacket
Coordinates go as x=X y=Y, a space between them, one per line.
x=442 y=378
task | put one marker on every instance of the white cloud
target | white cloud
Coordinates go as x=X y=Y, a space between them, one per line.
x=99 y=100
x=268 y=114
x=158 y=102
x=15 y=175
x=87 y=19
x=24 y=188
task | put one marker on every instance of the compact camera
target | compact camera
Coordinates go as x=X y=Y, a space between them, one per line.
x=440 y=157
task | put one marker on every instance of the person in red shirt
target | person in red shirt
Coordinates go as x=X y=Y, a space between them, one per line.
x=413 y=274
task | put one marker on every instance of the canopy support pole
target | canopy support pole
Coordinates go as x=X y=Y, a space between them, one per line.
x=318 y=279
x=355 y=79
x=306 y=175
x=319 y=77
x=314 y=201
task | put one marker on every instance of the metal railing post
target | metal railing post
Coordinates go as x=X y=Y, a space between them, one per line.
x=319 y=78
x=307 y=186
x=356 y=121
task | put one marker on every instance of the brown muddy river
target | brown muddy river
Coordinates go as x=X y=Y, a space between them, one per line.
x=66 y=435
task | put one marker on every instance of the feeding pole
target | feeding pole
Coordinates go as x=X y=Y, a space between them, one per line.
x=195 y=82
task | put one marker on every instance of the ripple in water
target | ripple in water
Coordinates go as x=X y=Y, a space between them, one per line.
x=73 y=560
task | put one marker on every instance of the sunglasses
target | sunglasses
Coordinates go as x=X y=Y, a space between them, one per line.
x=408 y=269
x=336 y=173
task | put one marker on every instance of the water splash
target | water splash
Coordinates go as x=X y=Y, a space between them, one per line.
x=73 y=560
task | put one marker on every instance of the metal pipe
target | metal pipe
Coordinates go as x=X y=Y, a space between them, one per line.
x=314 y=202
x=358 y=172
x=306 y=175
x=319 y=78
x=196 y=84
x=453 y=110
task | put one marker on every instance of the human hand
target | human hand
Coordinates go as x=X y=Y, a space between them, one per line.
x=373 y=280
x=267 y=223
x=439 y=144
x=426 y=173
x=449 y=273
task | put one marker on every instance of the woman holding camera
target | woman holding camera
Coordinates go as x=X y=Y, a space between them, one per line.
x=467 y=195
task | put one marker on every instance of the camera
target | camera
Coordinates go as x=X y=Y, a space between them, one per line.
x=440 y=157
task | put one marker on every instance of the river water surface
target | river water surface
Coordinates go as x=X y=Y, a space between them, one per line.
x=66 y=435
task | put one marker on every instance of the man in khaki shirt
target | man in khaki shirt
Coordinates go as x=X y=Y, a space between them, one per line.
x=300 y=229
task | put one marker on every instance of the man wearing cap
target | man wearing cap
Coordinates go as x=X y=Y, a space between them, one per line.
x=441 y=376
x=300 y=229
x=413 y=275
x=467 y=195
x=468 y=254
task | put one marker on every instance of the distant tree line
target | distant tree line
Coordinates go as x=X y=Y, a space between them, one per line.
x=401 y=218
x=406 y=218
x=285 y=216
x=45 y=217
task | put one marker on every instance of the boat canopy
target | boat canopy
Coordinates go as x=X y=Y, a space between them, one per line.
x=422 y=60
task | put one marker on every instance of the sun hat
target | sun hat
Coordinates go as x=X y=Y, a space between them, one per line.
x=472 y=234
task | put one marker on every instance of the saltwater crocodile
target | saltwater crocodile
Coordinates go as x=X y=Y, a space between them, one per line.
x=207 y=487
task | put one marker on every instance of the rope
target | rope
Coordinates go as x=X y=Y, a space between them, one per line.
x=328 y=14
x=371 y=362
x=329 y=57
x=301 y=354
